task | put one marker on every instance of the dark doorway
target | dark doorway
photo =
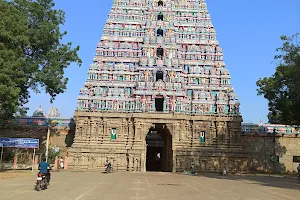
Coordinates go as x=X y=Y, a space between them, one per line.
x=159 y=149
x=160 y=3
x=159 y=104
x=160 y=17
x=160 y=32
x=159 y=75
x=160 y=52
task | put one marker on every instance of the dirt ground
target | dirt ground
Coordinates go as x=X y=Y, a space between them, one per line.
x=149 y=186
x=13 y=174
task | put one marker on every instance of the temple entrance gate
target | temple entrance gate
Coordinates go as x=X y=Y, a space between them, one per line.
x=159 y=153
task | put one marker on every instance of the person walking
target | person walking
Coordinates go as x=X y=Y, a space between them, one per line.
x=61 y=163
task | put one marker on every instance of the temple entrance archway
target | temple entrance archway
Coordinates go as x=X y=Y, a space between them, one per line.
x=159 y=155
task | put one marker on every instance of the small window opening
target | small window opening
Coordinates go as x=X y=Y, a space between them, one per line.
x=202 y=136
x=160 y=52
x=160 y=17
x=160 y=3
x=159 y=75
x=160 y=32
x=159 y=104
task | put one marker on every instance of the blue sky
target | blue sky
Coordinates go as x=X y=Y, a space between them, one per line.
x=248 y=31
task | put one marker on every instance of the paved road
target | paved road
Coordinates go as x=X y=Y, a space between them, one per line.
x=150 y=186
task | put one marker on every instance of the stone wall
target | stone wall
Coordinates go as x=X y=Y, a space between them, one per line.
x=225 y=144
x=262 y=146
x=61 y=137
x=93 y=145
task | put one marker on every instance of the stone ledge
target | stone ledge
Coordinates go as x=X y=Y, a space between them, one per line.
x=162 y=116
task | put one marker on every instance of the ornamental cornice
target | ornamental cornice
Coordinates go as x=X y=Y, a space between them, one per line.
x=111 y=83
x=120 y=38
x=202 y=62
x=127 y=21
x=106 y=98
x=163 y=117
x=116 y=59
x=157 y=93
x=111 y=72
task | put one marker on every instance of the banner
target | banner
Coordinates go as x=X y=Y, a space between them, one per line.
x=113 y=135
x=25 y=143
x=202 y=136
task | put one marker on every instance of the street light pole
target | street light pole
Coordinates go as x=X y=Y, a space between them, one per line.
x=274 y=149
x=47 y=142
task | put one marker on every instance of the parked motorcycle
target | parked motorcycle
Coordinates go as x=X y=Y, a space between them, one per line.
x=108 y=168
x=41 y=182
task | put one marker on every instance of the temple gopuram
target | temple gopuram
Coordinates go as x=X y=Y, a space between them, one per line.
x=158 y=95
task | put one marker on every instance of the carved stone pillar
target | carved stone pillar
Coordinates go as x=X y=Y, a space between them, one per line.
x=105 y=128
x=100 y=129
x=143 y=158
x=213 y=132
x=186 y=131
x=227 y=133
x=130 y=129
x=181 y=131
x=235 y=132
x=194 y=131
x=175 y=131
x=94 y=129
x=220 y=132
x=123 y=131
x=131 y=161
x=138 y=130
x=79 y=130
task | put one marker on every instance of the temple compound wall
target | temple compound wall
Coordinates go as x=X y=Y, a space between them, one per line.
x=266 y=147
x=62 y=132
x=207 y=142
x=271 y=147
x=262 y=148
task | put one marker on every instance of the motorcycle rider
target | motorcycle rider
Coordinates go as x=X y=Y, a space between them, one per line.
x=44 y=168
x=108 y=165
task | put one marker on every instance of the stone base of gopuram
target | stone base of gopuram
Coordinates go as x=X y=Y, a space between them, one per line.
x=156 y=142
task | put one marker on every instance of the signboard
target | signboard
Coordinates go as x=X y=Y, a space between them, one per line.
x=25 y=143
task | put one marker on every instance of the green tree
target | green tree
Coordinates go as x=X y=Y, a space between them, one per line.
x=32 y=56
x=282 y=89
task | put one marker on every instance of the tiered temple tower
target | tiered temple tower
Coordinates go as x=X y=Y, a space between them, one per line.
x=158 y=94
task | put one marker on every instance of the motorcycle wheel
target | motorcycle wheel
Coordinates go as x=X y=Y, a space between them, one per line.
x=45 y=184
x=38 y=187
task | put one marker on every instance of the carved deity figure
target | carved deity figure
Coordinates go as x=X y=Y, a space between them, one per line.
x=221 y=109
x=144 y=101
x=221 y=96
x=202 y=95
x=147 y=75
x=208 y=95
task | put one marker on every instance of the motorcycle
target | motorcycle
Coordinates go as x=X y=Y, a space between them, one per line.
x=41 y=182
x=108 y=168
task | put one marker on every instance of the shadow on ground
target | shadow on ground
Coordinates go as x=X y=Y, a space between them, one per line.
x=263 y=180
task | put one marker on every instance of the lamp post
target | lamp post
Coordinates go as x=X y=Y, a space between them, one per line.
x=50 y=124
x=47 y=142
x=274 y=149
